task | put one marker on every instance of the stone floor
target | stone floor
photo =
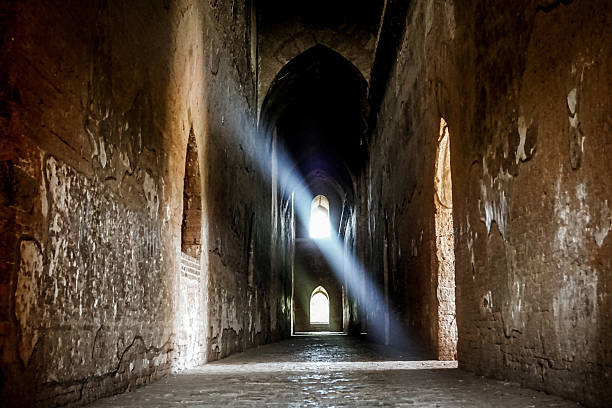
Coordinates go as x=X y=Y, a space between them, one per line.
x=310 y=371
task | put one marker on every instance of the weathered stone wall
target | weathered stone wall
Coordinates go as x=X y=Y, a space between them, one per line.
x=90 y=271
x=399 y=195
x=352 y=278
x=525 y=89
x=97 y=107
x=242 y=311
x=534 y=304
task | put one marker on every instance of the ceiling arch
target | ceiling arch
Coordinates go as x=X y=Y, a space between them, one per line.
x=317 y=107
x=287 y=29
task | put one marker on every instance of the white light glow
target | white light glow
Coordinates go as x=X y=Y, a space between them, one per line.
x=319 y=308
x=345 y=265
x=319 y=223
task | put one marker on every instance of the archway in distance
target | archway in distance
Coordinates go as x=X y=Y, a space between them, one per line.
x=319 y=306
x=319 y=218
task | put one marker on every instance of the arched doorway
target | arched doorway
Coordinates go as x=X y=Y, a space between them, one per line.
x=319 y=306
x=191 y=228
x=190 y=332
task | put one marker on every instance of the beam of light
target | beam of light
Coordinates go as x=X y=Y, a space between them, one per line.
x=384 y=324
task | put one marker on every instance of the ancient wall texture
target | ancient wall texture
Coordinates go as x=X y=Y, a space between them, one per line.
x=90 y=274
x=98 y=101
x=248 y=298
x=525 y=89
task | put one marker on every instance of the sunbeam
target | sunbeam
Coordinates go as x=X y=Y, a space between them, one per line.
x=383 y=326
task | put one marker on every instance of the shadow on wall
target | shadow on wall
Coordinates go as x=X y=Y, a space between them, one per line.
x=190 y=316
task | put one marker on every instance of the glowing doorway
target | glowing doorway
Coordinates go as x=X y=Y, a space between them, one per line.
x=319 y=217
x=319 y=306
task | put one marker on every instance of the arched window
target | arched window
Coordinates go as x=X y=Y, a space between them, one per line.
x=191 y=231
x=319 y=306
x=319 y=217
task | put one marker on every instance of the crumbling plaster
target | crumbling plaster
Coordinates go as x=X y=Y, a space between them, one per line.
x=525 y=90
x=102 y=100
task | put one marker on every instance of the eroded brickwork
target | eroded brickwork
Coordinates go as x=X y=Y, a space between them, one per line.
x=109 y=110
x=99 y=102
x=525 y=90
x=90 y=296
x=248 y=297
x=537 y=203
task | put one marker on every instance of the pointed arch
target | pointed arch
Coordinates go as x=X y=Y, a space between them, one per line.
x=191 y=229
x=319 y=306
x=321 y=83
x=318 y=63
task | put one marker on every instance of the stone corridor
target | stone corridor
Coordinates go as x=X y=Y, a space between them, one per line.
x=186 y=185
x=330 y=371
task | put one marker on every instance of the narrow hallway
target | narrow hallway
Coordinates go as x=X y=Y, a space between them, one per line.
x=330 y=370
x=270 y=203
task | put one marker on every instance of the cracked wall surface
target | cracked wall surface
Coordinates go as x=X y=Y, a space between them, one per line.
x=98 y=101
x=98 y=104
x=247 y=293
x=525 y=89
x=89 y=277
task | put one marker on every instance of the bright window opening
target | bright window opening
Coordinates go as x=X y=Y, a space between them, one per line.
x=319 y=306
x=319 y=217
